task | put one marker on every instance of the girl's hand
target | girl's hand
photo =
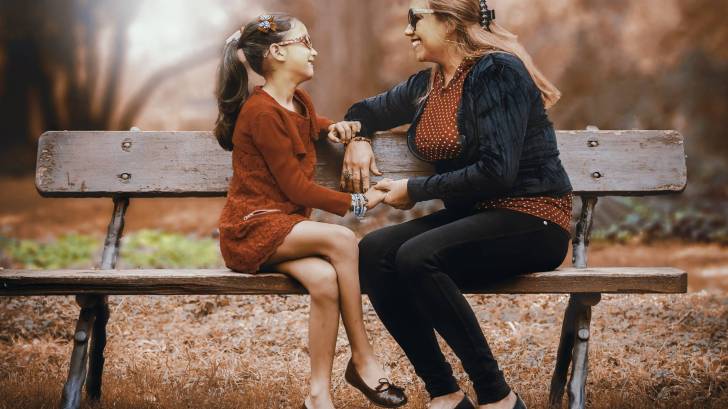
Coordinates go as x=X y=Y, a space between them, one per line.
x=342 y=132
x=374 y=196
x=397 y=195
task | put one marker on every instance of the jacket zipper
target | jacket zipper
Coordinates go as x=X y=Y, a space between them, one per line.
x=255 y=213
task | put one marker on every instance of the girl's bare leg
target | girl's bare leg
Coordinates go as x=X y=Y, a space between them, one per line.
x=319 y=278
x=339 y=246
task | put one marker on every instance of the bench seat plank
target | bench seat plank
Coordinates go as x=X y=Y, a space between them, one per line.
x=224 y=281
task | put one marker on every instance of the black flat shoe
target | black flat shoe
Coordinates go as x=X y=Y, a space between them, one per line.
x=466 y=403
x=519 y=403
x=386 y=394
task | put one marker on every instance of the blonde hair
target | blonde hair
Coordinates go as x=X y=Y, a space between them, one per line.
x=474 y=41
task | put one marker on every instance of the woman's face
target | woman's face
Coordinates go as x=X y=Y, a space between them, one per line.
x=429 y=35
x=296 y=52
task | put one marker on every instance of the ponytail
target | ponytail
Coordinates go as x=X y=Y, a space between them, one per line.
x=232 y=77
x=232 y=92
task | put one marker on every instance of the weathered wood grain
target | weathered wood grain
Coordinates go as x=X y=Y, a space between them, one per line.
x=96 y=163
x=223 y=281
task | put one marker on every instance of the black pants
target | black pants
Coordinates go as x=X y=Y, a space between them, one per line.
x=413 y=273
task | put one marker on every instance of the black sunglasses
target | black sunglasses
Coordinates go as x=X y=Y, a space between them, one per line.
x=415 y=15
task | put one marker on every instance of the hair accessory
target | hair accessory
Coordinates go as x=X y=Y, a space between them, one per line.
x=266 y=23
x=486 y=15
x=233 y=37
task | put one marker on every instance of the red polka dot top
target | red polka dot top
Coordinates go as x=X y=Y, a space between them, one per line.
x=437 y=138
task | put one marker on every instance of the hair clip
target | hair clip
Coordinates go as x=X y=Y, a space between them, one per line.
x=266 y=23
x=486 y=15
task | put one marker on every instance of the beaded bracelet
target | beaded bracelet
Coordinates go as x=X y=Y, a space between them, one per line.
x=360 y=138
x=359 y=204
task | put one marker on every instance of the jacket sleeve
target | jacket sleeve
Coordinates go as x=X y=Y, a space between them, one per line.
x=502 y=107
x=392 y=108
x=270 y=137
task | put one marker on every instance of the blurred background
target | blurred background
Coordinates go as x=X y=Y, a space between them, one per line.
x=111 y=65
x=102 y=64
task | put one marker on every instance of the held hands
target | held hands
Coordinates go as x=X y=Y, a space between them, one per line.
x=391 y=192
x=374 y=197
x=396 y=194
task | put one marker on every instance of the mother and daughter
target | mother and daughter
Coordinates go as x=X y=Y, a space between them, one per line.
x=478 y=115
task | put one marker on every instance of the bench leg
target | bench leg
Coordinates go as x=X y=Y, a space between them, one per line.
x=100 y=306
x=96 y=355
x=71 y=398
x=563 y=355
x=573 y=349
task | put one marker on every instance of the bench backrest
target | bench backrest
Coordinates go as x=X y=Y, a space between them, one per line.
x=152 y=164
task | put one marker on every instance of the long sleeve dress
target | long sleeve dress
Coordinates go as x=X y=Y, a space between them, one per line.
x=272 y=187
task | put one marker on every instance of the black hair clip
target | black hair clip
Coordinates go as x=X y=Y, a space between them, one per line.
x=486 y=15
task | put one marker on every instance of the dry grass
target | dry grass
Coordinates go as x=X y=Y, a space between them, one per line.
x=648 y=351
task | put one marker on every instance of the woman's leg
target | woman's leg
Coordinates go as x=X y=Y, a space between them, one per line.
x=319 y=278
x=396 y=306
x=474 y=251
x=338 y=245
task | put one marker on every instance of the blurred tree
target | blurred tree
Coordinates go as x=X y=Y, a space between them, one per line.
x=627 y=73
x=344 y=33
x=52 y=77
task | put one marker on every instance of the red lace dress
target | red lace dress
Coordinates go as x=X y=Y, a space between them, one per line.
x=272 y=186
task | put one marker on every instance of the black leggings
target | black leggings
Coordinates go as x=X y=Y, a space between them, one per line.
x=413 y=273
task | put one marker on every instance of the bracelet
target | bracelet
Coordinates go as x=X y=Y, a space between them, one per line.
x=359 y=204
x=360 y=138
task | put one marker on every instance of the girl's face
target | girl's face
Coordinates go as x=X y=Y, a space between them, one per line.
x=428 y=34
x=295 y=52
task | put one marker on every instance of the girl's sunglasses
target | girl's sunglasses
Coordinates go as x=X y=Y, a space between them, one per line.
x=415 y=15
x=304 y=39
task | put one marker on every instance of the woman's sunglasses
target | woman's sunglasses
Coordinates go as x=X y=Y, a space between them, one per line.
x=304 y=39
x=415 y=15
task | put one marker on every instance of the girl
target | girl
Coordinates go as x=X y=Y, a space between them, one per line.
x=264 y=224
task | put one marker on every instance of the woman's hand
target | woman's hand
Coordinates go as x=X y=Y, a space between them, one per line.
x=397 y=195
x=358 y=161
x=342 y=132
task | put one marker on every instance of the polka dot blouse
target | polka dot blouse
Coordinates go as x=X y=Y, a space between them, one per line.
x=437 y=138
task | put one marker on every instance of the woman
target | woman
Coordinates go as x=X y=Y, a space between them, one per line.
x=479 y=116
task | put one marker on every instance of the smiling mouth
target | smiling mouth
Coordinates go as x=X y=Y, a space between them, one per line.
x=416 y=43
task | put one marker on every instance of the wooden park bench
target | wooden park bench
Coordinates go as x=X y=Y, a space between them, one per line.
x=123 y=165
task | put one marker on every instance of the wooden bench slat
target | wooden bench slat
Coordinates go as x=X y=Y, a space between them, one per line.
x=224 y=281
x=153 y=164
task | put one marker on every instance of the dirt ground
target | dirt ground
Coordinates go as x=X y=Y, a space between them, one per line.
x=646 y=351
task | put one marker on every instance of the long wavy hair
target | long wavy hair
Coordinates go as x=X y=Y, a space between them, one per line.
x=472 y=40
x=232 y=76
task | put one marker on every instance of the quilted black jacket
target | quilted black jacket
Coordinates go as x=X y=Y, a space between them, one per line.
x=508 y=142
